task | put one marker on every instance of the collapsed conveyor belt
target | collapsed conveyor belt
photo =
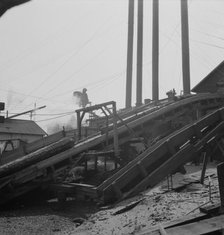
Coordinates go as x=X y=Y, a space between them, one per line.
x=146 y=170
x=157 y=162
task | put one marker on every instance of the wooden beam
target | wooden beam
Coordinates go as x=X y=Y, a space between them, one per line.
x=205 y=162
x=168 y=167
x=201 y=227
x=220 y=171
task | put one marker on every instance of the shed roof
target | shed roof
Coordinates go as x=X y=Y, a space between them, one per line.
x=19 y=126
x=208 y=84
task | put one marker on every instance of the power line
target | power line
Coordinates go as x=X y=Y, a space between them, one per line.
x=68 y=59
x=206 y=43
x=44 y=42
x=78 y=70
x=43 y=114
x=44 y=120
x=88 y=85
x=208 y=34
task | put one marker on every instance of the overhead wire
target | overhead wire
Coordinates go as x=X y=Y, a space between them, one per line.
x=68 y=78
x=208 y=44
x=92 y=84
x=49 y=119
x=68 y=59
x=209 y=35
x=44 y=42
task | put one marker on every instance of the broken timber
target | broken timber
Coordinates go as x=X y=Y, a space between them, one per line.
x=203 y=226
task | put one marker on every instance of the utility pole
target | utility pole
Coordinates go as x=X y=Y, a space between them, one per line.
x=29 y=111
x=129 y=54
x=155 y=51
x=139 y=54
x=185 y=47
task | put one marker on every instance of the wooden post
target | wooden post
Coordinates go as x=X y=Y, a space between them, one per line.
x=79 y=127
x=220 y=171
x=105 y=163
x=86 y=163
x=116 y=151
x=96 y=159
x=205 y=162
x=79 y=122
x=107 y=124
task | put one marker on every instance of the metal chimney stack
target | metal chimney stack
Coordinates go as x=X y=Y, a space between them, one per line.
x=155 y=51
x=129 y=54
x=185 y=47
x=139 y=54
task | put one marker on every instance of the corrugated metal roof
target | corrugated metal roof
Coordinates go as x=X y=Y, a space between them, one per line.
x=212 y=78
x=18 y=126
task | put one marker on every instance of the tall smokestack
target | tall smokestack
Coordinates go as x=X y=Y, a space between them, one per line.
x=155 y=51
x=139 y=54
x=129 y=54
x=185 y=46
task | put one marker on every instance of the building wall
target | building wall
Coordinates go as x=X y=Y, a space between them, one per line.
x=7 y=140
x=210 y=84
x=25 y=138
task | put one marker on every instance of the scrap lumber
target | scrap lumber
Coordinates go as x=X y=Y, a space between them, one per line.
x=203 y=226
x=128 y=207
x=74 y=189
x=210 y=209
x=162 y=230
x=36 y=156
x=155 y=230
x=205 y=162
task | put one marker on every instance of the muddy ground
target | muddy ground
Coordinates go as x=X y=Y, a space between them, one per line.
x=154 y=206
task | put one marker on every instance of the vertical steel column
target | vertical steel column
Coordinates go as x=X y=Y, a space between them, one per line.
x=129 y=54
x=155 y=51
x=185 y=47
x=139 y=54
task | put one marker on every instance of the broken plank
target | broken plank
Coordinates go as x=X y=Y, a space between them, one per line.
x=201 y=227
x=210 y=209
x=205 y=162
x=128 y=207
x=174 y=223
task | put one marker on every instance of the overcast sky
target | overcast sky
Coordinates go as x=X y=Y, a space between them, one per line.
x=50 y=48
